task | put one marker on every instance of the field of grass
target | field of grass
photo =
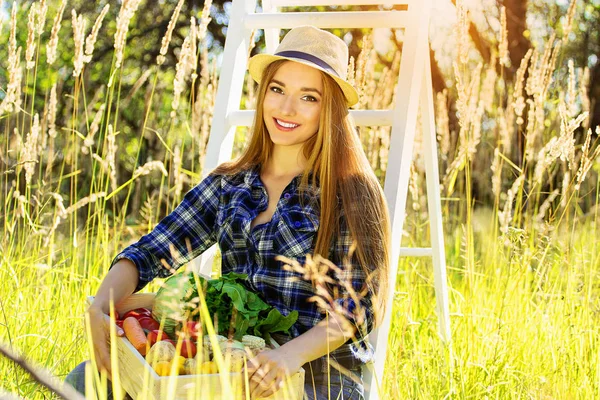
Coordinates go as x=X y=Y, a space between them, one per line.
x=522 y=258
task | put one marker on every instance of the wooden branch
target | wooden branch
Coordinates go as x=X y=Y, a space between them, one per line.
x=41 y=376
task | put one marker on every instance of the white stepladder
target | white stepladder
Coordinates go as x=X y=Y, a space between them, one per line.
x=413 y=90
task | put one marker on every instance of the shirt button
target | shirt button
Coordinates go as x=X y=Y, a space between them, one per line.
x=297 y=224
x=287 y=196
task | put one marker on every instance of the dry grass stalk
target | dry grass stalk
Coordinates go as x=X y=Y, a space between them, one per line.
x=89 y=140
x=128 y=9
x=179 y=177
x=583 y=95
x=570 y=17
x=414 y=187
x=489 y=84
x=90 y=41
x=462 y=32
x=496 y=168
x=587 y=160
x=566 y=182
x=546 y=205
x=31 y=29
x=562 y=147
x=193 y=49
x=506 y=215
x=149 y=167
x=137 y=85
x=182 y=68
x=362 y=69
x=532 y=132
x=111 y=155
x=503 y=46
x=351 y=71
x=52 y=112
x=518 y=94
x=29 y=156
x=571 y=91
x=204 y=21
x=53 y=41
x=443 y=123
x=160 y=59
x=85 y=201
x=13 y=89
x=78 y=37
x=41 y=17
x=333 y=288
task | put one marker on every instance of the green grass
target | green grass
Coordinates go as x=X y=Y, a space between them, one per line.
x=526 y=328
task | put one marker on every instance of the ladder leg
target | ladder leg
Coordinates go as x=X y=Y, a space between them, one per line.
x=229 y=94
x=434 y=202
x=271 y=34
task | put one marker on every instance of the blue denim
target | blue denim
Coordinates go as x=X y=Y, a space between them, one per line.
x=76 y=378
x=339 y=387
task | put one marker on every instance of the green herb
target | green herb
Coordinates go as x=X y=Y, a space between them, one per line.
x=233 y=305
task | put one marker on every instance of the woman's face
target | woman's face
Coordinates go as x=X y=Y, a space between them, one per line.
x=292 y=104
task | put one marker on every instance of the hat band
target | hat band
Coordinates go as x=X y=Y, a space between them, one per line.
x=310 y=58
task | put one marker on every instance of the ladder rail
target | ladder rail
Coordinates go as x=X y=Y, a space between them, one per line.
x=310 y=3
x=329 y=19
x=411 y=92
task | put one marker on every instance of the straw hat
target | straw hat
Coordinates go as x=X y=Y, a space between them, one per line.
x=313 y=47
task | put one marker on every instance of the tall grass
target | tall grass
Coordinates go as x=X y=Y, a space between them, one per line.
x=522 y=269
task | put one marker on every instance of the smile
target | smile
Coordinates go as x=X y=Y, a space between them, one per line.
x=285 y=125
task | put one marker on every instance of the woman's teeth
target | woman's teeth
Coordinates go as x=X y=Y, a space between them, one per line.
x=285 y=124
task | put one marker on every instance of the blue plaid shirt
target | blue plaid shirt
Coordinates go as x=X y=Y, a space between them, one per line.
x=219 y=210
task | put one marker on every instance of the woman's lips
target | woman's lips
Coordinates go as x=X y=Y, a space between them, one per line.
x=284 y=128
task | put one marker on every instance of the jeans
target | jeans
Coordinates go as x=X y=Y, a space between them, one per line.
x=339 y=387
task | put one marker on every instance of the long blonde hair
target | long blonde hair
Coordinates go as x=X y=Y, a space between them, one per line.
x=335 y=156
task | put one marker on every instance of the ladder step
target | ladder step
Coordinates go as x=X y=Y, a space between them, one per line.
x=336 y=19
x=416 y=252
x=310 y=3
x=361 y=117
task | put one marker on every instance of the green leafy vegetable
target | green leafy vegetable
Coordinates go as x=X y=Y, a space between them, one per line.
x=228 y=301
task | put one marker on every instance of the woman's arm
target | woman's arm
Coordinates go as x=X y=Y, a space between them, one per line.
x=268 y=370
x=121 y=279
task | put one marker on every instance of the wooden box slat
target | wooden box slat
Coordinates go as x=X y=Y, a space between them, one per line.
x=140 y=381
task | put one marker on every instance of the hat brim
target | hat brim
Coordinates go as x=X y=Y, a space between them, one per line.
x=259 y=62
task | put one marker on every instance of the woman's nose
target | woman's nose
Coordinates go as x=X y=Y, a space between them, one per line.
x=288 y=106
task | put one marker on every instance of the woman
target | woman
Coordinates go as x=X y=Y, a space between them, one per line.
x=302 y=185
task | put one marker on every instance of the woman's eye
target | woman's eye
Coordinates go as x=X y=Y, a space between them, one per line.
x=310 y=98
x=276 y=89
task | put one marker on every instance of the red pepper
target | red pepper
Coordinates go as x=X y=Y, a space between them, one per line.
x=138 y=313
x=148 y=323
x=188 y=348
x=156 y=336
x=193 y=330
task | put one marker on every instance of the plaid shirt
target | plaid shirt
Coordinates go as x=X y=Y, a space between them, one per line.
x=219 y=210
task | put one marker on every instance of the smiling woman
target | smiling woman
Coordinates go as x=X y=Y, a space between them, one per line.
x=302 y=185
x=292 y=104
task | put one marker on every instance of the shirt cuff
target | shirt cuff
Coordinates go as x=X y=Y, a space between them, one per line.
x=142 y=261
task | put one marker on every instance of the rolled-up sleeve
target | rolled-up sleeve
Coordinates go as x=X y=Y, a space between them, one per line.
x=181 y=236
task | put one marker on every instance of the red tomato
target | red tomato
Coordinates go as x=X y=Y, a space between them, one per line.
x=119 y=323
x=156 y=335
x=138 y=313
x=148 y=323
x=192 y=329
x=188 y=348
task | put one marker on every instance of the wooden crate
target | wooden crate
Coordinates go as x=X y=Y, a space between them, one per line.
x=140 y=381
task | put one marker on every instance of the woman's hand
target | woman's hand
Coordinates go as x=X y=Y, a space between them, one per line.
x=268 y=370
x=99 y=327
